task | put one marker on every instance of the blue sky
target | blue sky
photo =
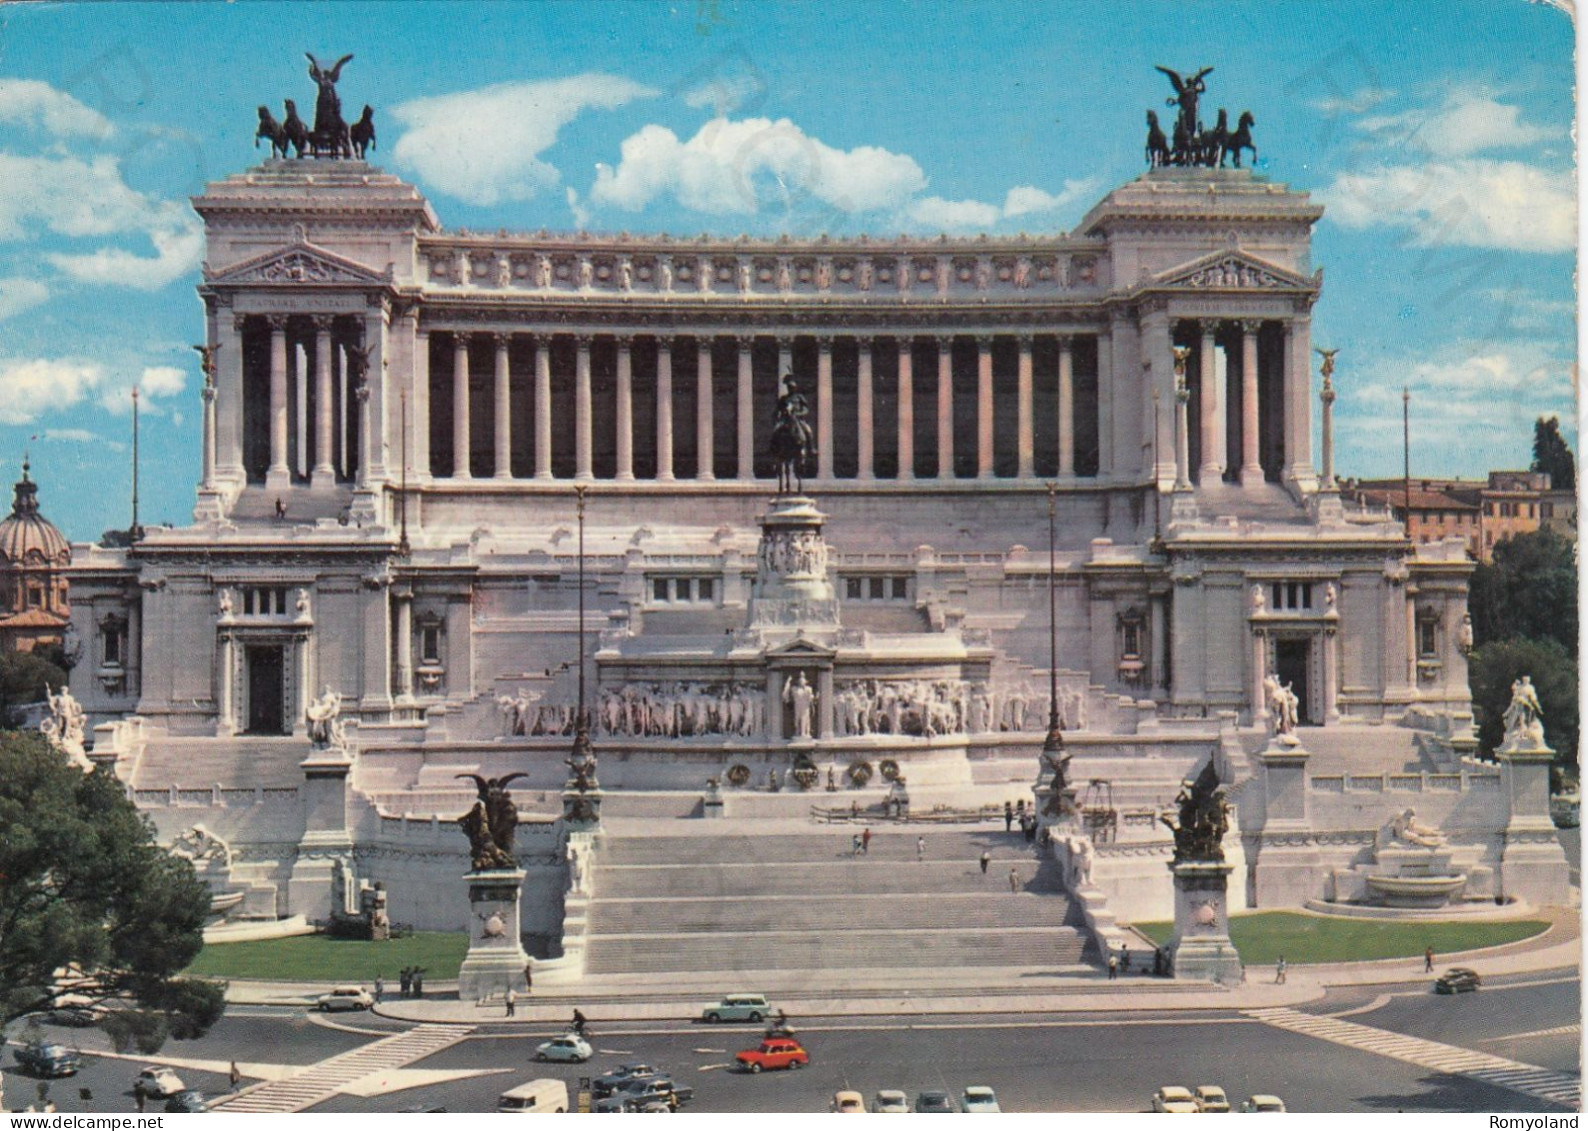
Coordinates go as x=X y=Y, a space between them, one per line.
x=1437 y=134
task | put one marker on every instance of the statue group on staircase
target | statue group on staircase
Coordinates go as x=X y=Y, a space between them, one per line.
x=1201 y=820
x=491 y=824
x=331 y=135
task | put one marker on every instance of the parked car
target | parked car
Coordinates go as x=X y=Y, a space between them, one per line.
x=158 y=1082
x=1211 y=1097
x=47 y=1059
x=571 y=1047
x=738 y=1007
x=774 y=1052
x=935 y=1102
x=187 y=1101
x=609 y=1082
x=847 y=1103
x=1457 y=980
x=1173 y=1098
x=890 y=1102
x=344 y=998
x=979 y=1098
x=646 y=1094
x=1262 y=1103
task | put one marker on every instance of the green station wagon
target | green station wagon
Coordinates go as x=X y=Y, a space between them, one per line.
x=738 y=1007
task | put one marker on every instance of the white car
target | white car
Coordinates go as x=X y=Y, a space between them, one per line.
x=890 y=1102
x=571 y=1047
x=158 y=1082
x=1211 y=1097
x=979 y=1098
x=349 y=998
x=1263 y=1103
x=1175 y=1099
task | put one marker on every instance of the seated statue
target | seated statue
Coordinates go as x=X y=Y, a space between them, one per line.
x=1409 y=830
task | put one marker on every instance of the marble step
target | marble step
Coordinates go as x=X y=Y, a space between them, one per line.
x=834 y=845
x=796 y=877
x=989 y=910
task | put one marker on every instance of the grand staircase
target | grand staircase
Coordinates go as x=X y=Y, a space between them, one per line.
x=767 y=901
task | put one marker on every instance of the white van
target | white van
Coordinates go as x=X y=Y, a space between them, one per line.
x=537 y=1095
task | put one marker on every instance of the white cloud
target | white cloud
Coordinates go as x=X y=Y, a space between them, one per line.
x=1464 y=124
x=738 y=166
x=1359 y=102
x=177 y=251
x=936 y=213
x=72 y=436
x=20 y=293
x=484 y=146
x=723 y=94
x=32 y=386
x=28 y=102
x=1471 y=203
x=154 y=383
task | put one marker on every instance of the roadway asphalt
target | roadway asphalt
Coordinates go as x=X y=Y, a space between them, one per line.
x=1068 y=1062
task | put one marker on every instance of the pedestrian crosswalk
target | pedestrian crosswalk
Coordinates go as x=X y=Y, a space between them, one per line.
x=321 y=1081
x=1541 y=1083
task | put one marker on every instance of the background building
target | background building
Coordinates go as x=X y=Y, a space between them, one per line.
x=34 y=601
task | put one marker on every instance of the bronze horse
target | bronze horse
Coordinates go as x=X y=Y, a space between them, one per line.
x=362 y=133
x=1241 y=139
x=791 y=442
x=273 y=131
x=1157 y=143
x=295 y=132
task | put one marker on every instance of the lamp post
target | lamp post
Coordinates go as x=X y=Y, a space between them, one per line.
x=582 y=751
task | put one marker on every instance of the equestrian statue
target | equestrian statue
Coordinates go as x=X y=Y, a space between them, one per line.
x=792 y=442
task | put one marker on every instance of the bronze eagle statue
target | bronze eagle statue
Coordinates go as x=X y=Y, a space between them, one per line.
x=491 y=823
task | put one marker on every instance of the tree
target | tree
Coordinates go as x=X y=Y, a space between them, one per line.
x=1529 y=591
x=91 y=906
x=1551 y=453
x=1495 y=666
x=24 y=677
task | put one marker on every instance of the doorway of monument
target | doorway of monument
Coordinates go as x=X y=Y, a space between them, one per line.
x=1293 y=665
x=267 y=698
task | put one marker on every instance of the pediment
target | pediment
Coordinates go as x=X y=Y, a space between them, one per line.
x=800 y=648
x=1229 y=269
x=300 y=264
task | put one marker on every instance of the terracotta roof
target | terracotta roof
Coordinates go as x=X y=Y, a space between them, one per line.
x=33 y=618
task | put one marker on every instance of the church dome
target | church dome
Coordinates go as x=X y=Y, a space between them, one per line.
x=26 y=536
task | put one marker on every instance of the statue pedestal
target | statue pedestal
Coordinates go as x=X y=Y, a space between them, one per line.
x=496 y=959
x=581 y=810
x=791 y=589
x=1201 y=947
x=1532 y=862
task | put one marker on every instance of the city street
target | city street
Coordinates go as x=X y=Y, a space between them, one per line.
x=1068 y=1062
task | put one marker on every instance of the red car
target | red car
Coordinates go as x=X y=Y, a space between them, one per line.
x=774 y=1052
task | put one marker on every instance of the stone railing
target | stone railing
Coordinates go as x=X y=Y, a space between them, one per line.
x=214 y=797
x=1423 y=781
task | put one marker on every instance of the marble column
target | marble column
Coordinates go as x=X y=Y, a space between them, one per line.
x=1066 y=407
x=1158 y=369
x=542 y=406
x=324 y=405
x=945 y=406
x=1326 y=396
x=229 y=420
x=824 y=407
x=1298 y=404
x=1182 y=435
x=1259 y=698
x=905 y=405
x=279 y=476
x=745 y=408
x=361 y=480
x=419 y=407
x=503 y=408
x=1251 y=466
x=1105 y=403
x=460 y=406
x=1160 y=645
x=226 y=715
x=207 y=474
x=404 y=646
x=1026 y=441
x=664 y=408
x=984 y=407
x=1208 y=405
x=377 y=334
x=583 y=425
x=865 y=413
x=625 y=408
x=705 y=432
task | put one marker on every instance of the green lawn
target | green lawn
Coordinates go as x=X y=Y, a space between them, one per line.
x=320 y=958
x=1263 y=936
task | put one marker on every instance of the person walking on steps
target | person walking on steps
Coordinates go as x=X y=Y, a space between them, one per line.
x=1009 y=817
x=854 y=845
x=1113 y=967
x=986 y=859
x=920 y=849
x=865 y=842
x=1014 y=881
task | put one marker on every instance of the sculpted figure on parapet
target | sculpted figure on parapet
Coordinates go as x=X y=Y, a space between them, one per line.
x=1524 y=717
x=667 y=709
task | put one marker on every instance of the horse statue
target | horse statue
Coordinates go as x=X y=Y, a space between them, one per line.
x=362 y=133
x=1211 y=150
x=293 y=131
x=1157 y=143
x=272 y=131
x=1181 y=152
x=792 y=441
x=1241 y=139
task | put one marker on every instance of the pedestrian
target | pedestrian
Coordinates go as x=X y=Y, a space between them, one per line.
x=407 y=980
x=1014 y=881
x=920 y=849
x=1009 y=817
x=419 y=982
x=137 y=1096
x=380 y=989
x=529 y=979
x=1279 y=971
x=865 y=841
x=1113 y=966
x=235 y=1076
x=1030 y=827
x=1124 y=959
x=986 y=859
x=854 y=845
x=1428 y=961
x=512 y=1001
